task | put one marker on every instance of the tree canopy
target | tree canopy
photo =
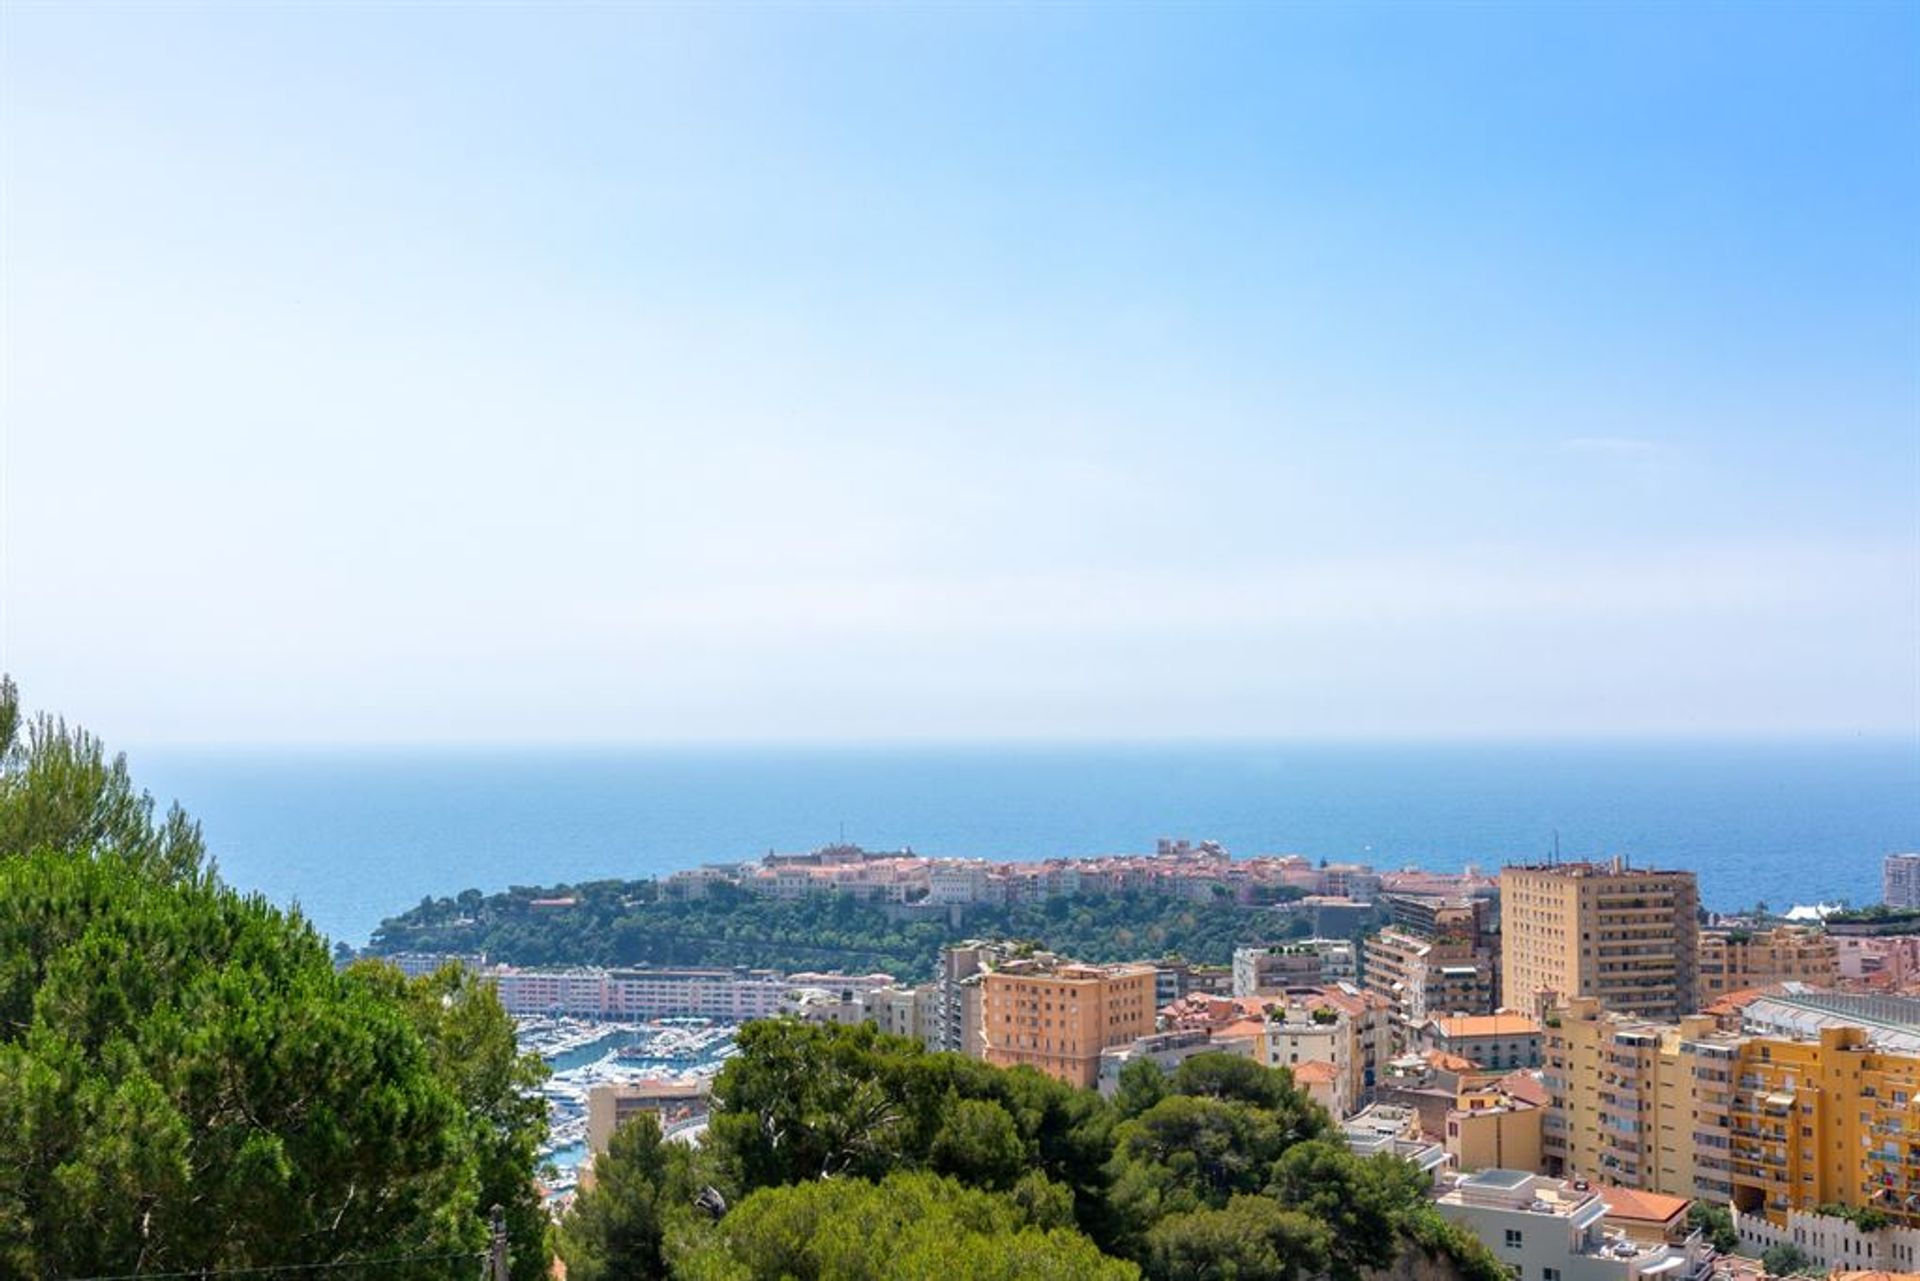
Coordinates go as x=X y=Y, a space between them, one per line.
x=187 y=1082
x=831 y=1143
x=629 y=923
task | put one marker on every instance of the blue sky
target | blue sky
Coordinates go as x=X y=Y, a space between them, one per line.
x=435 y=373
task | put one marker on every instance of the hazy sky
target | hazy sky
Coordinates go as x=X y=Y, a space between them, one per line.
x=428 y=372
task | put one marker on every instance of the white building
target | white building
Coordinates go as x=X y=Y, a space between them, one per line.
x=1833 y=1243
x=1265 y=969
x=1546 y=1229
x=951 y=881
x=1165 y=1050
x=1395 y=1130
x=902 y=1011
x=724 y=995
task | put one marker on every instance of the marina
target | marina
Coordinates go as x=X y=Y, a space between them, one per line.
x=584 y=1053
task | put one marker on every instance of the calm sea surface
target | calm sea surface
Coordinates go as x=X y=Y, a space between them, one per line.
x=355 y=836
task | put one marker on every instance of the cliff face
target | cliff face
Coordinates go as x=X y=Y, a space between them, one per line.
x=1415 y=1264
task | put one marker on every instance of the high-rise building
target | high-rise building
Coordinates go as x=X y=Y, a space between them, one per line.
x=955 y=1022
x=1603 y=1075
x=1438 y=957
x=1626 y=936
x=1058 y=1016
x=1900 y=880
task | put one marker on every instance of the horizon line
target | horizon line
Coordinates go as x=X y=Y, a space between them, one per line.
x=1640 y=738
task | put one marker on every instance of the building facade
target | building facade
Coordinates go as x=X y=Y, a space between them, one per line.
x=1265 y=969
x=1438 y=956
x=1900 y=880
x=610 y=1106
x=1625 y=936
x=1770 y=1124
x=1546 y=1229
x=1058 y=1016
x=1735 y=960
x=1496 y=1042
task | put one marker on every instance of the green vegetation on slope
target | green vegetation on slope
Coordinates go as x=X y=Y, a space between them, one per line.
x=848 y=1155
x=627 y=923
x=186 y=1082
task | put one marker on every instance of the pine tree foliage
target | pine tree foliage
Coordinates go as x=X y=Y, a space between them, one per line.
x=846 y=1154
x=186 y=1081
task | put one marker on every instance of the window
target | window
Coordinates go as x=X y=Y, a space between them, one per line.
x=1513 y=1238
x=1549 y=1274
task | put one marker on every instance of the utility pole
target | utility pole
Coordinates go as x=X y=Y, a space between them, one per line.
x=496 y=1269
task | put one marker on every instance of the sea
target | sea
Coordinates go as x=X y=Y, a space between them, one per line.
x=352 y=836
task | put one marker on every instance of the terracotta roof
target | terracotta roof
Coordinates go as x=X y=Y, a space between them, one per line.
x=1243 y=1027
x=1643 y=1207
x=1316 y=1072
x=1445 y=1062
x=1527 y=1088
x=1486 y=1025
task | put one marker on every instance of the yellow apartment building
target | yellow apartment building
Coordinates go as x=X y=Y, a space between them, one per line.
x=1833 y=1120
x=1604 y=1071
x=1735 y=960
x=1626 y=936
x=1769 y=1124
x=1058 y=1016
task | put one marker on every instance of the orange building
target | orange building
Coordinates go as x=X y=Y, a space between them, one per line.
x=1058 y=1015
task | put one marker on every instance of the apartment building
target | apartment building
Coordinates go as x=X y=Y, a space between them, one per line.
x=1733 y=960
x=1385 y=1128
x=1617 y=1109
x=1771 y=1124
x=1265 y=969
x=955 y=1025
x=1497 y=1042
x=610 y=1106
x=1834 y=1243
x=1437 y=957
x=1626 y=936
x=1348 y=1030
x=1494 y=1125
x=724 y=995
x=1823 y=1122
x=1058 y=1016
x=419 y=964
x=1165 y=1050
x=1177 y=977
x=1876 y=961
x=1900 y=880
x=901 y=1011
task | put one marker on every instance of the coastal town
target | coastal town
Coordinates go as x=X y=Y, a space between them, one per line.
x=1574 y=1046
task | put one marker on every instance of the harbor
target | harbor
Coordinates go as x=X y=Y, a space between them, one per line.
x=584 y=1053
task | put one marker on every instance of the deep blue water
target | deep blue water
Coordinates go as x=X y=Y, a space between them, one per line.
x=357 y=835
